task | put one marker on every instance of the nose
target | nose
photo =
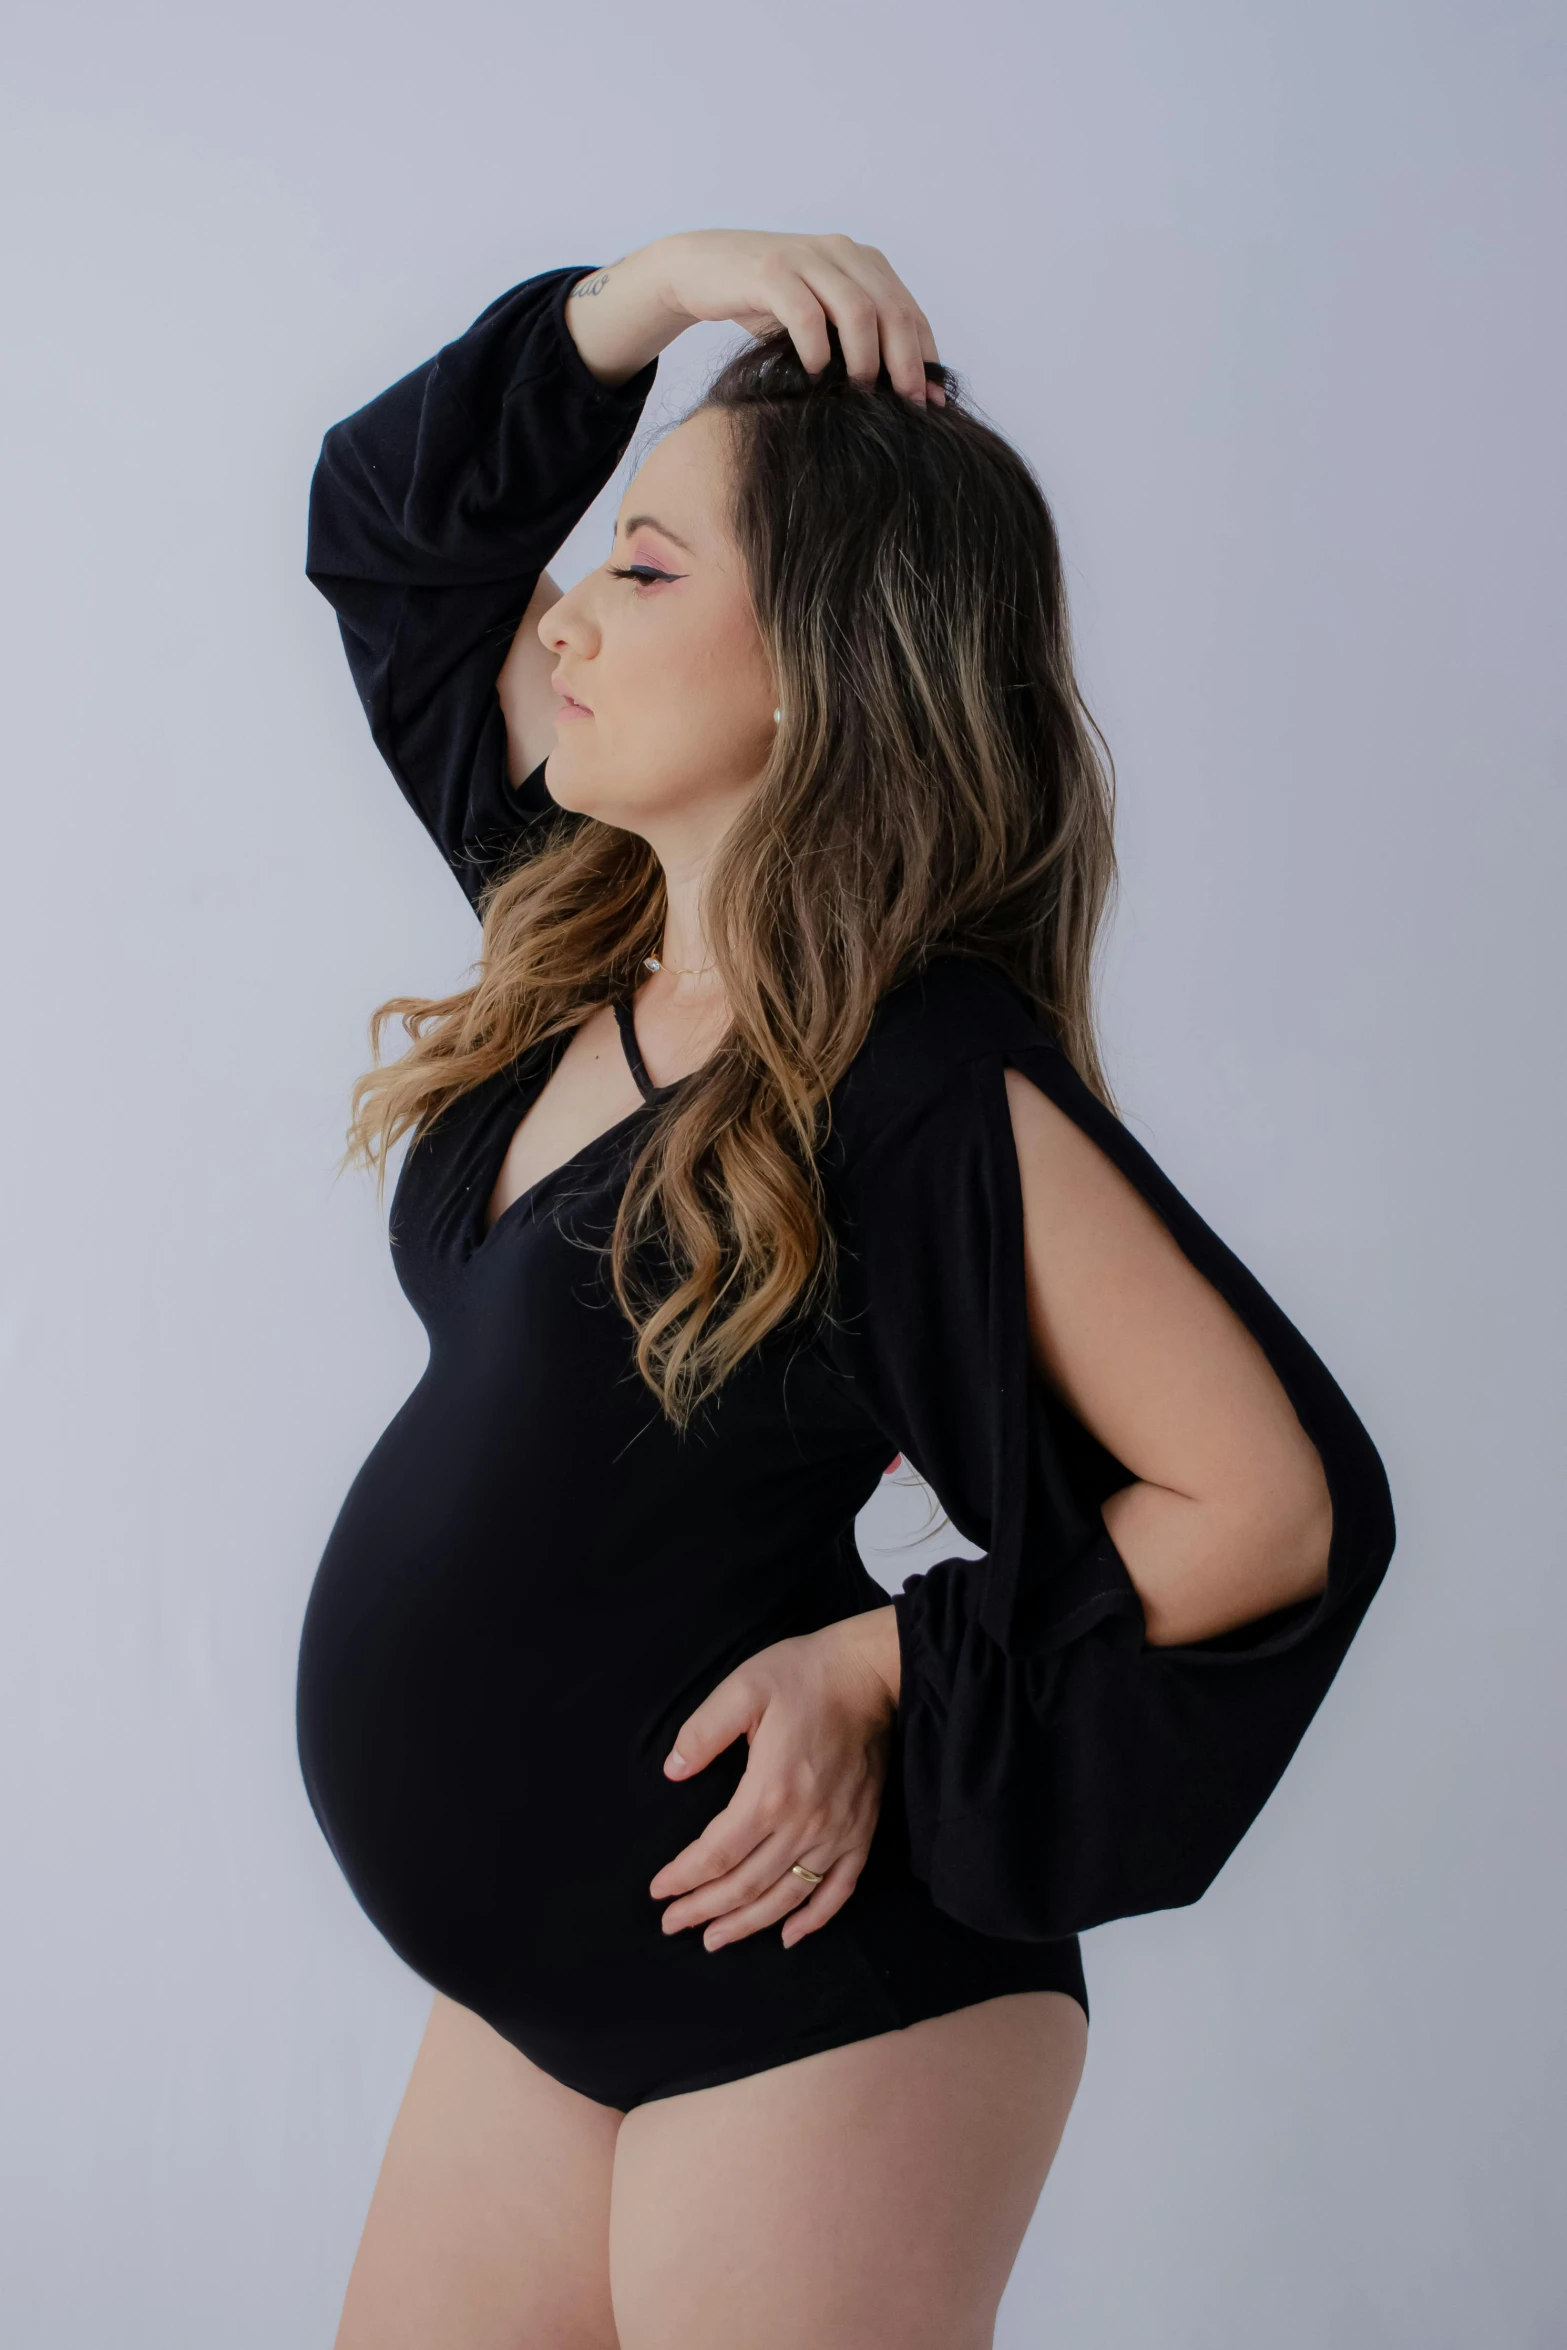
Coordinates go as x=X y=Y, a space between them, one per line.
x=567 y=626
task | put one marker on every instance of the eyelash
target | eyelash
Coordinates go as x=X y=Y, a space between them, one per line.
x=643 y=573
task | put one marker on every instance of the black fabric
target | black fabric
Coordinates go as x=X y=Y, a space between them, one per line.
x=533 y=1579
x=1060 y=1771
x=433 y=512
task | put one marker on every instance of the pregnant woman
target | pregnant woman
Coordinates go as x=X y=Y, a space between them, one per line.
x=770 y=1144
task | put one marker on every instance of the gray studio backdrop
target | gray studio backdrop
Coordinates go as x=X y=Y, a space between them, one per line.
x=1268 y=294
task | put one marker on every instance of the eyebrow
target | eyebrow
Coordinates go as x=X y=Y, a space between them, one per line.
x=651 y=522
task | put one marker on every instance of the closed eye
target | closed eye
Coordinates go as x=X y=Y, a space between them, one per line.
x=645 y=574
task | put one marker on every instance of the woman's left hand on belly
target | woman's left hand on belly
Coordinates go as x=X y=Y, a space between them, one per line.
x=818 y=1712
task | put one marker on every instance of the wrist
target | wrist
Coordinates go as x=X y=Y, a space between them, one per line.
x=623 y=315
x=870 y=1640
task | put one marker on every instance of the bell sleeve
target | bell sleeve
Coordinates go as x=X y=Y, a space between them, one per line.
x=1058 y=1771
x=433 y=512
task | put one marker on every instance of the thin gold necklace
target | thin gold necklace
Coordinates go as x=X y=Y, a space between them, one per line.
x=654 y=964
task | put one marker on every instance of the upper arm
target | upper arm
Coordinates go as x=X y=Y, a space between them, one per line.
x=433 y=512
x=527 y=698
x=1091 y=1715
x=1139 y=1344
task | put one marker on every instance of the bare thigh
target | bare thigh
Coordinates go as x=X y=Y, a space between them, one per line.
x=871 y=2197
x=489 y=2225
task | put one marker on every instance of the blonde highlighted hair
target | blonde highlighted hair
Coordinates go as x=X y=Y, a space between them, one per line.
x=937 y=783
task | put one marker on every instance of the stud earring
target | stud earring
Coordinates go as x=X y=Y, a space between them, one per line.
x=778 y=718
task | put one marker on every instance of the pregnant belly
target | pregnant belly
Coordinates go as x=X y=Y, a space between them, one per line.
x=483 y=1717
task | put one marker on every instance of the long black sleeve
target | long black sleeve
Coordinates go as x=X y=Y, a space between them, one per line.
x=1058 y=1770
x=433 y=512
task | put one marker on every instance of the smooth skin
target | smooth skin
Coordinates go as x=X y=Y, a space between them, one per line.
x=871 y=2197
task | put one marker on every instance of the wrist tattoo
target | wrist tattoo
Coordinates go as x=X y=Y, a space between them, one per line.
x=587 y=287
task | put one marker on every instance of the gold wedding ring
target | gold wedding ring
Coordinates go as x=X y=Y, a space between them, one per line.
x=799 y=1869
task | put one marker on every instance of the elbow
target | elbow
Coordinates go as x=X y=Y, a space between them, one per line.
x=1317 y=1540
x=1280 y=1545
x=1280 y=1523
x=1302 y=1536
x=1202 y=1569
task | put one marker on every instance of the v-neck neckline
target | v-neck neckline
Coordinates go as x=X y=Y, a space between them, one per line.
x=480 y=1235
x=626 y=1023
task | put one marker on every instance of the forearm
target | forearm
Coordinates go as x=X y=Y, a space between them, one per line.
x=623 y=315
x=868 y=1643
x=1198 y=1569
x=474 y=468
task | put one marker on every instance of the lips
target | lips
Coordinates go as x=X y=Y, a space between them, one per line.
x=570 y=701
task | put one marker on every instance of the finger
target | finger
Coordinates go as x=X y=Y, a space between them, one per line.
x=724 y=1715
x=936 y=392
x=750 y=1877
x=900 y=342
x=796 y=307
x=825 y=1900
x=852 y=309
x=789 y=1893
x=891 y=291
x=725 y=1844
x=905 y=333
x=904 y=330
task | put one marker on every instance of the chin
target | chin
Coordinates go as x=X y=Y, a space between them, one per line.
x=567 y=779
x=579 y=783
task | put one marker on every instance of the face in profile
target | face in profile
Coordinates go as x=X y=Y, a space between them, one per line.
x=667 y=695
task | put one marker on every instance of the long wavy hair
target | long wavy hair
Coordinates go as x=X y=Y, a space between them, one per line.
x=936 y=785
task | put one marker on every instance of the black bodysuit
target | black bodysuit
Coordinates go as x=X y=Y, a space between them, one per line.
x=534 y=1579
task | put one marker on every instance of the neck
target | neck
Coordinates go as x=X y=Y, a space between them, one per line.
x=685 y=950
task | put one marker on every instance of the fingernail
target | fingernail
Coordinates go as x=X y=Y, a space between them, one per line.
x=713 y=1940
x=677 y=1760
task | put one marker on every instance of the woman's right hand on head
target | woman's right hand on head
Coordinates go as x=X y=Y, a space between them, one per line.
x=620 y=317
